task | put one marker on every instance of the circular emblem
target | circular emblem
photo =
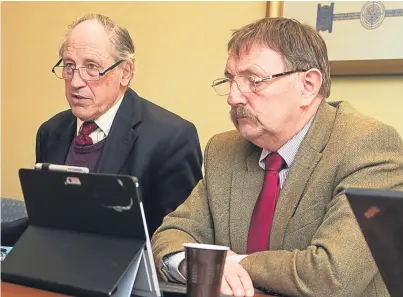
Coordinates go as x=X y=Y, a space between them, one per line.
x=372 y=14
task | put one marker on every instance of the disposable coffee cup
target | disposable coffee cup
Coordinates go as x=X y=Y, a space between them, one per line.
x=205 y=266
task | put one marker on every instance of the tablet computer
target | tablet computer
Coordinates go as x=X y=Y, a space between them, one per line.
x=86 y=233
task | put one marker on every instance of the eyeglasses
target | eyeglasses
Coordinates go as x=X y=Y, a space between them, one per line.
x=245 y=83
x=86 y=73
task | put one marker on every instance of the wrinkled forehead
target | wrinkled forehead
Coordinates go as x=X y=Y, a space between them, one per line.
x=257 y=60
x=86 y=51
x=88 y=40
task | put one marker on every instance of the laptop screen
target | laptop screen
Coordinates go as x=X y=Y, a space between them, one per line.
x=380 y=217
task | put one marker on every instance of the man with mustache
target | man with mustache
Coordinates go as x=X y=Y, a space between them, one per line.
x=110 y=128
x=273 y=190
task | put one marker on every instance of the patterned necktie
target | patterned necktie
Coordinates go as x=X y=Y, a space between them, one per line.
x=84 y=139
x=259 y=232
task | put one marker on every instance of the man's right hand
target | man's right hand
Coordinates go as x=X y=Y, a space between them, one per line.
x=183 y=268
x=236 y=280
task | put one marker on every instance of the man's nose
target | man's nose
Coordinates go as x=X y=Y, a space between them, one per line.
x=235 y=96
x=77 y=80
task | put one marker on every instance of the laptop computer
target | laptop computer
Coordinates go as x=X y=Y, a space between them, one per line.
x=379 y=214
x=87 y=236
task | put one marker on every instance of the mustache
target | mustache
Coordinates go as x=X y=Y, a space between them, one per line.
x=241 y=112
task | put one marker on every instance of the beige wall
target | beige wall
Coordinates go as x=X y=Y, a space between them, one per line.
x=379 y=97
x=181 y=48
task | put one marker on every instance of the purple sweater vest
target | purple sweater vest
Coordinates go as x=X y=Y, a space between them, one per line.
x=85 y=156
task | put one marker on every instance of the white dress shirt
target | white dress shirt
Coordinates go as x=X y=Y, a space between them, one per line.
x=288 y=152
x=104 y=123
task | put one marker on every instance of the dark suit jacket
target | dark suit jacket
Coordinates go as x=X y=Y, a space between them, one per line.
x=146 y=141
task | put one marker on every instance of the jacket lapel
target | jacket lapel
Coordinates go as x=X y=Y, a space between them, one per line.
x=247 y=181
x=122 y=135
x=300 y=171
x=60 y=141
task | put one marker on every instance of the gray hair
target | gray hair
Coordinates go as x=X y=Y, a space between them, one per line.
x=122 y=44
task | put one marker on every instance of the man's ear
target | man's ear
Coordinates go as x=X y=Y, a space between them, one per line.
x=127 y=71
x=311 y=82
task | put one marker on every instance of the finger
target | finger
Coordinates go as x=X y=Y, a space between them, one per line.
x=247 y=284
x=235 y=284
x=225 y=288
x=230 y=253
x=183 y=268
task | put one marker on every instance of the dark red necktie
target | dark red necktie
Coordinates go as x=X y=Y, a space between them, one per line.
x=259 y=232
x=84 y=139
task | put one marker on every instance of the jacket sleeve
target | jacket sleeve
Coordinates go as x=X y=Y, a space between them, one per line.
x=39 y=146
x=179 y=170
x=190 y=222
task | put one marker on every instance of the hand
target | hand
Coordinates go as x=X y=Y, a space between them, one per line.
x=183 y=268
x=236 y=280
x=230 y=253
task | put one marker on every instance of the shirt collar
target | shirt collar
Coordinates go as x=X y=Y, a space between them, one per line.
x=104 y=122
x=289 y=150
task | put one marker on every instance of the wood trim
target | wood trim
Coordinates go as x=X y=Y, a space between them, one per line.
x=13 y=290
x=366 y=67
x=274 y=8
x=267 y=8
x=353 y=67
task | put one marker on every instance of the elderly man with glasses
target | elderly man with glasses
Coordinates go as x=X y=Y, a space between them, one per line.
x=110 y=129
x=274 y=190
